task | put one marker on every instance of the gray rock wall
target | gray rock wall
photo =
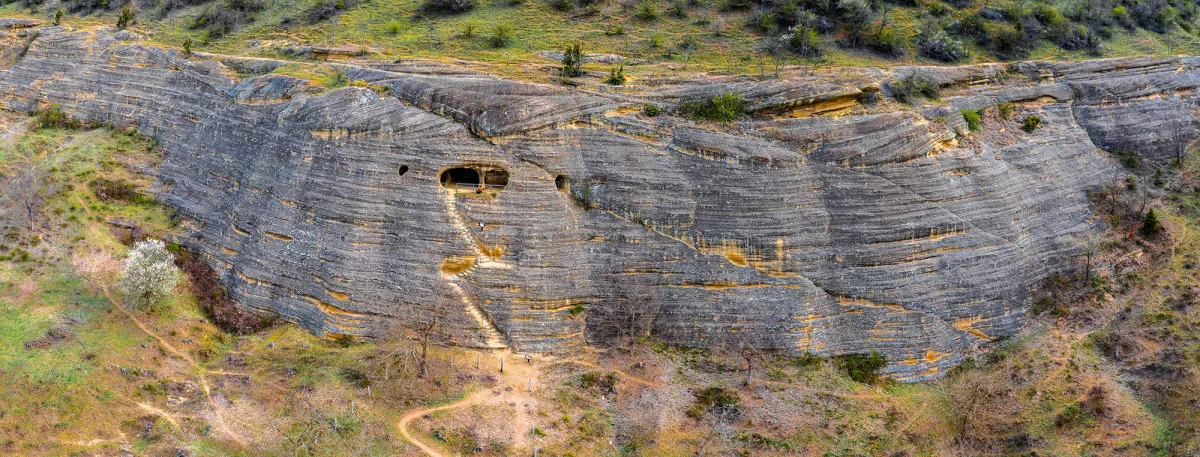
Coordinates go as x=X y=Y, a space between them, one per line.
x=890 y=231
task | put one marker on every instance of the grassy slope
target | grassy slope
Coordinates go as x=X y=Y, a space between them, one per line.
x=396 y=29
x=88 y=394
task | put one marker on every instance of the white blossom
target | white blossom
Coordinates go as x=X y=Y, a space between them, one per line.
x=149 y=274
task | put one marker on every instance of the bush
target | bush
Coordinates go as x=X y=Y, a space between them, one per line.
x=737 y=5
x=646 y=11
x=971 y=27
x=913 y=87
x=54 y=118
x=863 y=368
x=572 y=61
x=447 y=6
x=212 y=298
x=939 y=45
x=336 y=79
x=617 y=76
x=1006 y=42
x=187 y=47
x=126 y=18
x=807 y=361
x=149 y=274
x=937 y=9
x=804 y=42
x=973 y=118
x=108 y=190
x=710 y=399
x=677 y=10
x=721 y=108
x=606 y=382
x=470 y=29
x=501 y=36
x=326 y=9
x=651 y=110
x=1005 y=110
x=1031 y=123
x=889 y=42
x=1150 y=224
x=221 y=19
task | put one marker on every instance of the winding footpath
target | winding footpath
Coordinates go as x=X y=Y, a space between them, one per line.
x=515 y=375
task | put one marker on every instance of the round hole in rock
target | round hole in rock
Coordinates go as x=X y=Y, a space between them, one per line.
x=403 y=169
x=459 y=177
x=563 y=183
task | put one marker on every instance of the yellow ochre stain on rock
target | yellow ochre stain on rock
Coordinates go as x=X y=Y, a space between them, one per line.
x=277 y=236
x=968 y=325
x=454 y=265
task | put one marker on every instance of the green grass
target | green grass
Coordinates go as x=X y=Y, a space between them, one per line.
x=397 y=29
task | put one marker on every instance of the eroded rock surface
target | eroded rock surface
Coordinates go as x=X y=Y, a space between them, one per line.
x=891 y=231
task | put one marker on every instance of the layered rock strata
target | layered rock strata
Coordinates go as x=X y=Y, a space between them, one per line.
x=815 y=225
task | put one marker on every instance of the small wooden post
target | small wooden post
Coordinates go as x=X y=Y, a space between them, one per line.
x=351 y=407
x=502 y=364
x=477 y=361
x=530 y=388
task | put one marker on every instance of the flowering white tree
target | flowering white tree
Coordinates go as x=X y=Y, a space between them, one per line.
x=149 y=274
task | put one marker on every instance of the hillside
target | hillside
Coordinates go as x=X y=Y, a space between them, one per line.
x=1110 y=371
x=423 y=257
x=653 y=37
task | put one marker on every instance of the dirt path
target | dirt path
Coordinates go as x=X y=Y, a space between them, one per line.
x=219 y=420
x=518 y=375
x=473 y=399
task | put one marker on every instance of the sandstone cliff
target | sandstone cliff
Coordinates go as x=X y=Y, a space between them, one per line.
x=885 y=228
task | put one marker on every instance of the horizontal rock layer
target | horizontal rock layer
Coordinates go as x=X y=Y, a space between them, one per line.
x=888 y=231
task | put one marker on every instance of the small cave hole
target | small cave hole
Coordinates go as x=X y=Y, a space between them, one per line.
x=563 y=183
x=403 y=169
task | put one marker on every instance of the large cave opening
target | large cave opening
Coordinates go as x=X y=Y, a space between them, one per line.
x=479 y=180
x=460 y=177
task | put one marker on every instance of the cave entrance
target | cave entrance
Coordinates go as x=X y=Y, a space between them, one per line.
x=460 y=177
x=484 y=181
x=563 y=183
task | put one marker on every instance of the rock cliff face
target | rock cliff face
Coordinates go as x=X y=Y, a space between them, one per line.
x=858 y=229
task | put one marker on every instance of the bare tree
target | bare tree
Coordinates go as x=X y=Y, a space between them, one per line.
x=626 y=316
x=983 y=408
x=720 y=419
x=1091 y=247
x=25 y=191
x=430 y=324
x=1180 y=141
x=747 y=343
